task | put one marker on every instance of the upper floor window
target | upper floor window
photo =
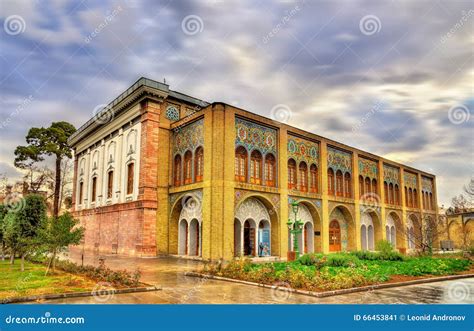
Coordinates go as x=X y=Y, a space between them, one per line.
x=415 y=198
x=177 y=170
x=94 y=189
x=199 y=164
x=385 y=192
x=291 y=174
x=130 y=175
x=269 y=170
x=241 y=164
x=397 y=195
x=361 y=187
x=110 y=184
x=313 y=179
x=81 y=192
x=303 y=177
x=339 y=185
x=188 y=161
x=374 y=186
x=347 y=185
x=330 y=181
x=256 y=168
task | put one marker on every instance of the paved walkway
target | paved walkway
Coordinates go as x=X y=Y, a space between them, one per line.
x=177 y=288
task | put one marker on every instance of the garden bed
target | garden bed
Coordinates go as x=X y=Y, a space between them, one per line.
x=320 y=273
x=69 y=280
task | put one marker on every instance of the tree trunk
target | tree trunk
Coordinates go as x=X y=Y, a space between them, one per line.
x=52 y=262
x=22 y=262
x=12 y=257
x=57 y=188
x=3 y=251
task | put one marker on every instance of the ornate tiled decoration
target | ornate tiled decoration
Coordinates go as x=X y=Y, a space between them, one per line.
x=189 y=137
x=172 y=113
x=195 y=194
x=339 y=160
x=303 y=150
x=410 y=179
x=255 y=136
x=368 y=168
x=391 y=174
x=427 y=184
x=315 y=202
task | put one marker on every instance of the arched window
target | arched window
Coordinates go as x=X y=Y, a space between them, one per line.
x=199 y=164
x=130 y=174
x=270 y=170
x=303 y=177
x=431 y=201
x=361 y=187
x=425 y=203
x=385 y=192
x=94 y=189
x=330 y=181
x=177 y=170
x=339 y=185
x=374 y=186
x=415 y=198
x=256 y=167
x=347 y=185
x=81 y=192
x=410 y=197
x=188 y=169
x=313 y=178
x=406 y=196
x=241 y=164
x=291 y=174
x=110 y=184
x=390 y=193
x=397 y=195
x=368 y=187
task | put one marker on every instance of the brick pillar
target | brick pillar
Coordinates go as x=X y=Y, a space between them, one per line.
x=148 y=176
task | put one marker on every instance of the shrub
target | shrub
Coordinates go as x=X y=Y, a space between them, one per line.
x=383 y=246
x=341 y=260
x=382 y=256
x=316 y=260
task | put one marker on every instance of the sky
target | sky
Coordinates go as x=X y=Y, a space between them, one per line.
x=394 y=78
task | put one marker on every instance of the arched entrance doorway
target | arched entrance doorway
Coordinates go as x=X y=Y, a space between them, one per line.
x=334 y=236
x=188 y=228
x=306 y=238
x=252 y=229
x=390 y=231
x=370 y=231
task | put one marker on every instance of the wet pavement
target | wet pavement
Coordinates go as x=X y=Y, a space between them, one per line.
x=168 y=272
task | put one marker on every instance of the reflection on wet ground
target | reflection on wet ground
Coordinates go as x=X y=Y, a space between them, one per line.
x=168 y=273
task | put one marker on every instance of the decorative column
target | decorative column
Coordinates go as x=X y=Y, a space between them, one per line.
x=325 y=202
x=283 y=185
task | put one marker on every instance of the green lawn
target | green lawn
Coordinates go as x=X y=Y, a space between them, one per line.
x=32 y=281
x=318 y=272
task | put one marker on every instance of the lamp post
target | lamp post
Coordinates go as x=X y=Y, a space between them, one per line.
x=295 y=227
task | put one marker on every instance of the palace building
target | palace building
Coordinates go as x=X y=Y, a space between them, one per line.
x=160 y=172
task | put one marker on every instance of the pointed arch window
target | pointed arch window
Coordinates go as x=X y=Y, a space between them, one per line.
x=347 y=185
x=291 y=174
x=330 y=181
x=94 y=189
x=431 y=201
x=177 y=170
x=374 y=186
x=130 y=175
x=385 y=192
x=199 y=164
x=361 y=187
x=339 y=185
x=110 y=184
x=188 y=161
x=303 y=177
x=81 y=192
x=256 y=168
x=397 y=195
x=390 y=193
x=368 y=187
x=269 y=170
x=406 y=196
x=410 y=197
x=313 y=178
x=415 y=198
x=241 y=164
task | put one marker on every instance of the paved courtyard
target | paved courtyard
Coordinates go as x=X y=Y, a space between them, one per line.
x=168 y=273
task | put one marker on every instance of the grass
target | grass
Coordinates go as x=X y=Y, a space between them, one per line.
x=32 y=281
x=320 y=272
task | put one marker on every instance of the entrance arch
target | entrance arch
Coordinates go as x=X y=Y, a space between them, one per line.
x=342 y=234
x=370 y=224
x=253 y=229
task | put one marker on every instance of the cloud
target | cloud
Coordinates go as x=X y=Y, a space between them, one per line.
x=309 y=55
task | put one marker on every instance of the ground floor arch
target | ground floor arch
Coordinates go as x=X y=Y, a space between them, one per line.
x=309 y=239
x=341 y=230
x=254 y=229
x=370 y=230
